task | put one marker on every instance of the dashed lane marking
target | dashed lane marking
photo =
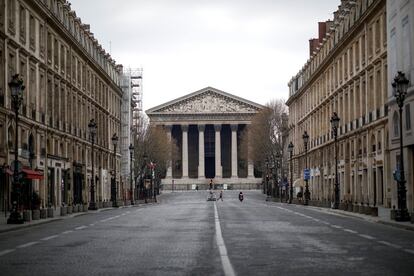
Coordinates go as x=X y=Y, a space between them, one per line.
x=67 y=232
x=336 y=226
x=367 y=236
x=92 y=224
x=81 y=227
x=49 y=238
x=409 y=251
x=390 y=244
x=350 y=231
x=225 y=261
x=7 y=251
x=27 y=244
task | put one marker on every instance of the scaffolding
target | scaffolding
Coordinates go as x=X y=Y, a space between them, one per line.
x=131 y=115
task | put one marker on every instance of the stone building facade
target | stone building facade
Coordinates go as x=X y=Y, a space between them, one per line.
x=347 y=74
x=69 y=80
x=400 y=33
x=207 y=126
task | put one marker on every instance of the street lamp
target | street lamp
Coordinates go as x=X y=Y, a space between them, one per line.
x=267 y=176
x=16 y=89
x=290 y=149
x=305 y=137
x=131 y=153
x=92 y=130
x=153 y=166
x=400 y=86
x=335 y=123
x=144 y=189
x=114 y=197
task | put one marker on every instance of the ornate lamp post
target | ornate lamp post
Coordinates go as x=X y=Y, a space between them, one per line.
x=16 y=89
x=290 y=149
x=267 y=176
x=335 y=123
x=153 y=166
x=305 y=137
x=92 y=130
x=144 y=167
x=400 y=86
x=114 y=196
x=131 y=153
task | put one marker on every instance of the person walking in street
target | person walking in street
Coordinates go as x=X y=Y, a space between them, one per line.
x=221 y=195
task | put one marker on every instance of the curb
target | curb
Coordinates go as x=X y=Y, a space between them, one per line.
x=59 y=218
x=369 y=219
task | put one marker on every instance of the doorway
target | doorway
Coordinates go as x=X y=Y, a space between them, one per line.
x=209 y=151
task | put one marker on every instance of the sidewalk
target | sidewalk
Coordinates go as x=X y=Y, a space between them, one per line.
x=383 y=217
x=4 y=227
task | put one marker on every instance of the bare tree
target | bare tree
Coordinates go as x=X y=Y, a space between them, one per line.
x=266 y=137
x=152 y=144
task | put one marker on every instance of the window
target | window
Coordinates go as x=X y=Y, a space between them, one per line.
x=32 y=33
x=407 y=117
x=42 y=39
x=11 y=12
x=395 y=122
x=22 y=24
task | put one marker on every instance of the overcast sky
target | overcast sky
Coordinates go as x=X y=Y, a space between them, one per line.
x=250 y=48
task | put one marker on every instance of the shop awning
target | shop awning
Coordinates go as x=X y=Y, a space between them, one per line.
x=31 y=174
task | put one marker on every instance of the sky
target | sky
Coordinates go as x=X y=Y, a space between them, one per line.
x=249 y=48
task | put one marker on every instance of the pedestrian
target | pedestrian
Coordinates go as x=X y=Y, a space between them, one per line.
x=221 y=195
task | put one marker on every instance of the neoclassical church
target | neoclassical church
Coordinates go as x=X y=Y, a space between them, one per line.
x=207 y=127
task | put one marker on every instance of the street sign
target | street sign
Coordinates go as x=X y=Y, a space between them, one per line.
x=306 y=174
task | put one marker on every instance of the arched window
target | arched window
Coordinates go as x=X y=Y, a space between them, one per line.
x=395 y=122
x=407 y=117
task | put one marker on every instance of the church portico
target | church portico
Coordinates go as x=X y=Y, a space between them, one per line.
x=207 y=128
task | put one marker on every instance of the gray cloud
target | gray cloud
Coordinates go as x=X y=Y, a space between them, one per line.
x=234 y=45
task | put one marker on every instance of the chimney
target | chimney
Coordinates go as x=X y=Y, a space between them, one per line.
x=322 y=31
x=313 y=44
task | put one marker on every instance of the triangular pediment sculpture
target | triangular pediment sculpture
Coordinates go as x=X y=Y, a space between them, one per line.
x=207 y=100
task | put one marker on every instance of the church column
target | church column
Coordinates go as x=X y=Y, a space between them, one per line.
x=234 y=150
x=184 y=128
x=201 y=151
x=168 y=129
x=250 y=164
x=218 y=150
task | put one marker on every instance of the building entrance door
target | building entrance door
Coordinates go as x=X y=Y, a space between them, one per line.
x=209 y=152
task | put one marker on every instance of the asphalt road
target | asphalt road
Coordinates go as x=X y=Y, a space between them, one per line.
x=186 y=235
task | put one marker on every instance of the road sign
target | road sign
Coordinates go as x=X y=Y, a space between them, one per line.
x=306 y=174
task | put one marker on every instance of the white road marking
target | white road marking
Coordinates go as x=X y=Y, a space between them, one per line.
x=92 y=224
x=336 y=226
x=409 y=251
x=49 y=238
x=67 y=232
x=367 y=236
x=317 y=220
x=81 y=227
x=27 y=244
x=128 y=212
x=390 y=244
x=7 y=251
x=227 y=267
x=350 y=231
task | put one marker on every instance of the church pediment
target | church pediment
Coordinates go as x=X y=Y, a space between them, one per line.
x=208 y=100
